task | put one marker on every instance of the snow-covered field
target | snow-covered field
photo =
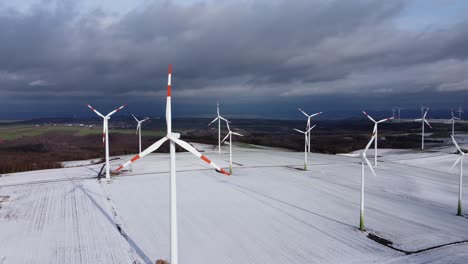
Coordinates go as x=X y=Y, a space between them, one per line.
x=269 y=211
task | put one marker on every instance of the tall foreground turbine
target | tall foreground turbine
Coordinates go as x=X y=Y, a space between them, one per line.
x=173 y=139
x=305 y=143
x=138 y=130
x=423 y=120
x=309 y=117
x=460 y=181
x=230 y=133
x=219 y=118
x=453 y=123
x=363 y=160
x=105 y=133
x=374 y=133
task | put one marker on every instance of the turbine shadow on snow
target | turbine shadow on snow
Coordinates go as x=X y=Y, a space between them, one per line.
x=131 y=242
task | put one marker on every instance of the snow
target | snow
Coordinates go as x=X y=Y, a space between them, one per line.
x=268 y=211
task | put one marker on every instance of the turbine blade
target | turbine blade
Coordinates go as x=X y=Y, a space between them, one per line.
x=104 y=127
x=145 y=152
x=456 y=144
x=303 y=112
x=135 y=118
x=370 y=166
x=214 y=120
x=368 y=116
x=227 y=124
x=384 y=120
x=138 y=127
x=316 y=114
x=456 y=162
x=191 y=149
x=225 y=120
x=226 y=137
x=425 y=121
x=116 y=110
x=217 y=108
x=237 y=134
x=299 y=131
x=369 y=144
x=95 y=111
x=352 y=155
x=168 y=100
x=310 y=128
x=426 y=113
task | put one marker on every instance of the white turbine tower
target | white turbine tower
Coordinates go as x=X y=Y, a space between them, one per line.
x=460 y=111
x=173 y=139
x=219 y=118
x=230 y=133
x=374 y=133
x=393 y=112
x=453 y=119
x=305 y=143
x=105 y=133
x=309 y=117
x=138 y=130
x=363 y=161
x=423 y=120
x=460 y=182
x=399 y=111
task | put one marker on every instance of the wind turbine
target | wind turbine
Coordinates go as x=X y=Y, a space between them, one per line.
x=219 y=118
x=309 y=117
x=173 y=139
x=460 y=111
x=453 y=123
x=230 y=133
x=393 y=112
x=105 y=133
x=363 y=161
x=375 y=133
x=423 y=108
x=305 y=143
x=423 y=120
x=460 y=187
x=399 y=116
x=138 y=129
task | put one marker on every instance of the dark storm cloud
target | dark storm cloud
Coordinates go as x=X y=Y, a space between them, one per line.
x=248 y=50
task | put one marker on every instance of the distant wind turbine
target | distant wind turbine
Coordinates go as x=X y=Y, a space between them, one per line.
x=423 y=120
x=305 y=143
x=309 y=117
x=230 y=133
x=460 y=182
x=173 y=139
x=105 y=133
x=138 y=129
x=218 y=118
x=374 y=133
x=399 y=111
x=453 y=119
x=364 y=160
x=460 y=111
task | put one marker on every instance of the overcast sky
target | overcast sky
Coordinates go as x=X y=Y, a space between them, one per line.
x=257 y=57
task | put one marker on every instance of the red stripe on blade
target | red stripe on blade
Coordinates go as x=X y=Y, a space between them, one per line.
x=119 y=168
x=135 y=158
x=225 y=172
x=169 y=70
x=169 y=90
x=203 y=157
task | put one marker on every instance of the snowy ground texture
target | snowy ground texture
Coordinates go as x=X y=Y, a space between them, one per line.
x=269 y=211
